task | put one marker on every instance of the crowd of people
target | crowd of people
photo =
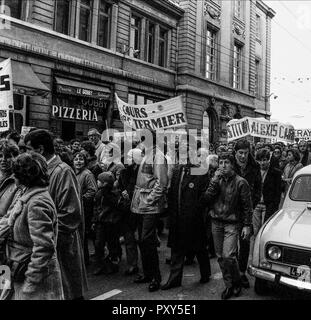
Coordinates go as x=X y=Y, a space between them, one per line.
x=57 y=199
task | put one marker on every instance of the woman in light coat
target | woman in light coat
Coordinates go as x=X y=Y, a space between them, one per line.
x=31 y=244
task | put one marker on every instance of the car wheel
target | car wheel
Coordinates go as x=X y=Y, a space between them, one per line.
x=261 y=286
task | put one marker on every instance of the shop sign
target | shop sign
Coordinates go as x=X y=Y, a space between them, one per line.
x=82 y=92
x=262 y=128
x=74 y=113
x=162 y=115
x=6 y=94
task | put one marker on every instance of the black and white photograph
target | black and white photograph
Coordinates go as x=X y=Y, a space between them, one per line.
x=155 y=154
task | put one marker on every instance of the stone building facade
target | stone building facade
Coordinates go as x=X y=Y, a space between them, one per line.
x=224 y=62
x=71 y=56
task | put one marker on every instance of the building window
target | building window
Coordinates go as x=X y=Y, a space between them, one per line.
x=138 y=99
x=62 y=16
x=211 y=55
x=104 y=24
x=85 y=26
x=258 y=27
x=237 y=67
x=150 y=42
x=163 y=47
x=238 y=8
x=17 y=8
x=257 y=77
x=135 y=36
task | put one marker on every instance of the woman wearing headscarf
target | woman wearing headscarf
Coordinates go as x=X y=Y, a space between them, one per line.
x=7 y=182
x=31 y=240
x=88 y=187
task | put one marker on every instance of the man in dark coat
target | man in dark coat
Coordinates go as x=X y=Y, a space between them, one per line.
x=249 y=169
x=65 y=192
x=271 y=190
x=186 y=223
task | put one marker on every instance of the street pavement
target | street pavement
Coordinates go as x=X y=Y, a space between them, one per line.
x=120 y=287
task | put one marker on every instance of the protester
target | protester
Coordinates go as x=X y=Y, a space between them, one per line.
x=7 y=182
x=247 y=168
x=149 y=200
x=276 y=157
x=75 y=145
x=65 y=192
x=305 y=155
x=186 y=222
x=93 y=164
x=31 y=243
x=129 y=221
x=95 y=137
x=111 y=160
x=63 y=152
x=293 y=165
x=106 y=225
x=88 y=187
x=271 y=190
x=229 y=197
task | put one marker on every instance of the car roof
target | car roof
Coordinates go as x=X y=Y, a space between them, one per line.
x=304 y=170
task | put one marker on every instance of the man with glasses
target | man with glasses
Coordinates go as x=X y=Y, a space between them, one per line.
x=95 y=137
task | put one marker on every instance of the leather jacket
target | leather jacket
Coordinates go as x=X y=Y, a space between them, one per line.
x=229 y=200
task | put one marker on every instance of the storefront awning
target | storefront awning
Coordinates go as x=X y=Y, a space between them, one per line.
x=77 y=88
x=26 y=82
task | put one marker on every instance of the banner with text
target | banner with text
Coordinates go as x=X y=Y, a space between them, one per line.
x=303 y=134
x=161 y=115
x=260 y=127
x=6 y=94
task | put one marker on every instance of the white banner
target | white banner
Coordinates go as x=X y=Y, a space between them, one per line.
x=260 y=127
x=161 y=115
x=6 y=94
x=303 y=134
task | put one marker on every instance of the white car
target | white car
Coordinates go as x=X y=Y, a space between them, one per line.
x=282 y=249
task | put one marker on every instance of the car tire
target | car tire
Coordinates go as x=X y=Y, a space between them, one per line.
x=261 y=287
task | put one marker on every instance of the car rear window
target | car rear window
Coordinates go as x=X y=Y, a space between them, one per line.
x=301 y=189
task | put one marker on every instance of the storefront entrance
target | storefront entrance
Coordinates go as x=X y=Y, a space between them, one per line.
x=77 y=107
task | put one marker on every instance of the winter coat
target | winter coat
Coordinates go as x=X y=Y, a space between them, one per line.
x=115 y=168
x=7 y=192
x=253 y=176
x=271 y=191
x=35 y=236
x=305 y=158
x=65 y=192
x=88 y=188
x=151 y=185
x=186 y=217
x=106 y=202
x=94 y=167
x=229 y=200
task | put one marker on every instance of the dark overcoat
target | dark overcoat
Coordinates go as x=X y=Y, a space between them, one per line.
x=187 y=229
x=65 y=192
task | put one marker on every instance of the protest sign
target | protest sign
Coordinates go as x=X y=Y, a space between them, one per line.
x=161 y=115
x=303 y=134
x=260 y=127
x=6 y=94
